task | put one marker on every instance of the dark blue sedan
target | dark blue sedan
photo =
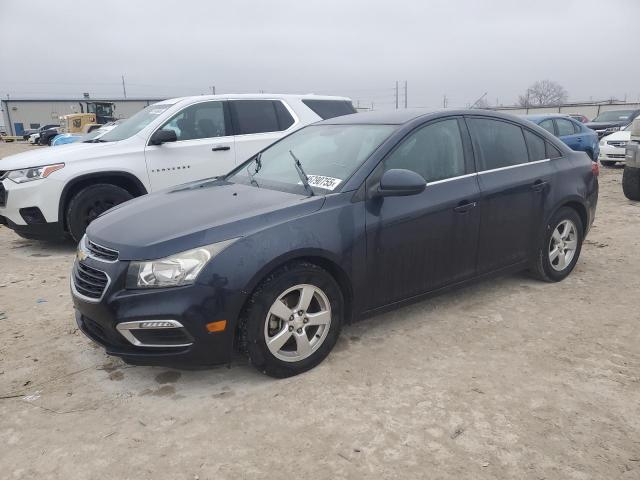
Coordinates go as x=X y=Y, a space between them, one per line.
x=570 y=131
x=340 y=220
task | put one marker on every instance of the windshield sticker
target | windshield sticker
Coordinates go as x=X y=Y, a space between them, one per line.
x=321 y=181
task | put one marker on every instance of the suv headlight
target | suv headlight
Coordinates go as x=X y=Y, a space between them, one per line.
x=174 y=271
x=33 y=173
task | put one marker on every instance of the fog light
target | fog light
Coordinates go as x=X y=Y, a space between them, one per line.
x=158 y=324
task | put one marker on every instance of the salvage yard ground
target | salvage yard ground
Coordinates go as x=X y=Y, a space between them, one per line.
x=510 y=378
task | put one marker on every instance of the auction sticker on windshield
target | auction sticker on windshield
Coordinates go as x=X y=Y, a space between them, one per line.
x=320 y=181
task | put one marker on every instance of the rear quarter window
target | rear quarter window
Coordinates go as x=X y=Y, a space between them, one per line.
x=330 y=108
x=258 y=116
x=536 y=146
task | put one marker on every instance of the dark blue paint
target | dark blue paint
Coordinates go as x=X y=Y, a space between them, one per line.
x=383 y=251
x=584 y=140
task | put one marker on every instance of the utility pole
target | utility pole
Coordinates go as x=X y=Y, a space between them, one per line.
x=405 y=94
x=371 y=105
x=444 y=101
x=213 y=90
x=124 y=88
x=396 y=94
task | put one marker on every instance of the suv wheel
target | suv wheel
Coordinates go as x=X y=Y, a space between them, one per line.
x=631 y=183
x=293 y=320
x=91 y=201
x=561 y=246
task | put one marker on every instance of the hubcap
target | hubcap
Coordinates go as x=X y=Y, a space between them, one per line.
x=297 y=323
x=563 y=245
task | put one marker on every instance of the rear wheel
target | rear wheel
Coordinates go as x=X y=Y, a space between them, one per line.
x=293 y=320
x=560 y=247
x=631 y=183
x=90 y=202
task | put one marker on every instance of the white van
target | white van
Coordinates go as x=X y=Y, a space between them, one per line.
x=51 y=193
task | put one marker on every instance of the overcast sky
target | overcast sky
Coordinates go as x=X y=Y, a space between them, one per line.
x=461 y=48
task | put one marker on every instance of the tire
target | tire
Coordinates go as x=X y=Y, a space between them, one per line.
x=607 y=163
x=548 y=270
x=631 y=183
x=90 y=202
x=258 y=323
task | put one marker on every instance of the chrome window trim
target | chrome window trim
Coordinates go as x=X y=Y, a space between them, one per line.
x=487 y=171
x=83 y=297
x=509 y=167
x=125 y=330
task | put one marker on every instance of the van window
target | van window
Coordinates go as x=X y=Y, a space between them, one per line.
x=434 y=151
x=201 y=120
x=254 y=116
x=497 y=144
x=535 y=145
x=330 y=108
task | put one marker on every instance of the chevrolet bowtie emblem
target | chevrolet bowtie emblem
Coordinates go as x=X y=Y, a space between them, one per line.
x=81 y=254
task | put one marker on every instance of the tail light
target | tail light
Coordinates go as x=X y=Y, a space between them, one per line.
x=595 y=168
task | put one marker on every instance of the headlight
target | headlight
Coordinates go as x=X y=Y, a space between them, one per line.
x=612 y=129
x=33 y=173
x=176 y=270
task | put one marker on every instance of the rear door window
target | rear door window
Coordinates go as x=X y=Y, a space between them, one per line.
x=497 y=144
x=548 y=126
x=536 y=147
x=259 y=116
x=565 y=127
x=330 y=108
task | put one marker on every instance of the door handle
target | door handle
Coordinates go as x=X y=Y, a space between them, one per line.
x=464 y=206
x=539 y=185
x=220 y=148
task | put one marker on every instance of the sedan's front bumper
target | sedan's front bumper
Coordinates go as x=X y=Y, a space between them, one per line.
x=610 y=153
x=107 y=320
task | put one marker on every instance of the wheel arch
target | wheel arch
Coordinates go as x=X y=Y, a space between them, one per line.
x=125 y=180
x=321 y=258
x=579 y=206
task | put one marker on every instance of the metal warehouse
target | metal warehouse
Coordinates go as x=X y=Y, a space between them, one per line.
x=21 y=114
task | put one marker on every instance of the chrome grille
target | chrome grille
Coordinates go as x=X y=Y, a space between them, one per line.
x=101 y=253
x=89 y=282
x=617 y=143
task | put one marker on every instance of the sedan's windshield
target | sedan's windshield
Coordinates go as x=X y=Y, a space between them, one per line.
x=329 y=154
x=614 y=116
x=136 y=123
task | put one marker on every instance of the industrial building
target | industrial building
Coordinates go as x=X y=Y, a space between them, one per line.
x=20 y=114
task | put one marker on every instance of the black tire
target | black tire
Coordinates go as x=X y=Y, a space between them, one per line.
x=542 y=268
x=608 y=163
x=631 y=183
x=90 y=202
x=252 y=323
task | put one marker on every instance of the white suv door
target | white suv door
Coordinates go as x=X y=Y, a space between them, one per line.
x=259 y=123
x=204 y=146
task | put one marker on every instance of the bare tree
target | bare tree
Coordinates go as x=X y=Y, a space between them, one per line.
x=543 y=93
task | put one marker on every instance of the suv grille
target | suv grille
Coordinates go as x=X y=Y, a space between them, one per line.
x=89 y=282
x=101 y=253
x=3 y=195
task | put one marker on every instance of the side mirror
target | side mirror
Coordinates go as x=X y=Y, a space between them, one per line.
x=400 y=183
x=163 y=136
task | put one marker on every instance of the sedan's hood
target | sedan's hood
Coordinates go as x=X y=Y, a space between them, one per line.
x=622 y=135
x=603 y=125
x=201 y=213
x=64 y=154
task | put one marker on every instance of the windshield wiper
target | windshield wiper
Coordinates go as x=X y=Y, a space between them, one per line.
x=303 y=176
x=258 y=162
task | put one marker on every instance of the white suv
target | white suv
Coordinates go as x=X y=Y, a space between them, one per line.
x=52 y=193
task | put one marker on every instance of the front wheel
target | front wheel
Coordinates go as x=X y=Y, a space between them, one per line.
x=89 y=203
x=293 y=320
x=560 y=248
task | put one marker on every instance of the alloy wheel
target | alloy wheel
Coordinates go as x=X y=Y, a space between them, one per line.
x=563 y=245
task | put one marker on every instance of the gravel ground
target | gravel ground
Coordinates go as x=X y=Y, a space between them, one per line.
x=510 y=378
